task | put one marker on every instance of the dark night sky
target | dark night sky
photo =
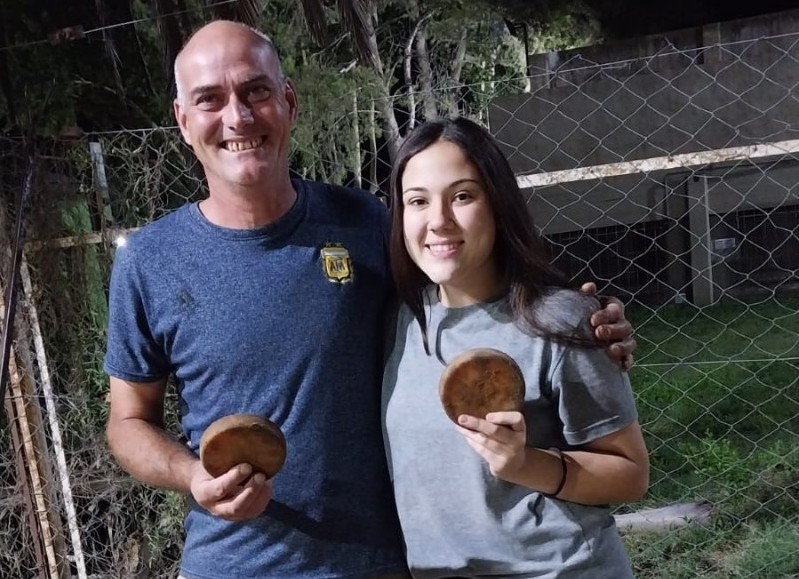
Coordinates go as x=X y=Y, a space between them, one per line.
x=623 y=19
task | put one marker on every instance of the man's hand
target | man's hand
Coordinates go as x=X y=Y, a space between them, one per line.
x=233 y=496
x=610 y=325
x=500 y=439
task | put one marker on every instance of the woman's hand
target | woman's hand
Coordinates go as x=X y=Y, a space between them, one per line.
x=500 y=439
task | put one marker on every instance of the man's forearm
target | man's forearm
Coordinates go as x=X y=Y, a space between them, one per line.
x=151 y=455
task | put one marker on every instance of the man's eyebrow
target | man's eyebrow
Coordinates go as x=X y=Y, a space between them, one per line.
x=256 y=78
x=206 y=88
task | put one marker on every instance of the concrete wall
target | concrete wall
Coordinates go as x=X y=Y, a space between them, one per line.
x=655 y=97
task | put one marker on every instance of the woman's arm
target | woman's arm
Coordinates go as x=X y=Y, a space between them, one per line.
x=611 y=469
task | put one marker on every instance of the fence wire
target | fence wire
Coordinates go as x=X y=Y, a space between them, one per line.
x=670 y=180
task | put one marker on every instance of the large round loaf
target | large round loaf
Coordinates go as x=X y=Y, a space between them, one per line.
x=239 y=438
x=480 y=381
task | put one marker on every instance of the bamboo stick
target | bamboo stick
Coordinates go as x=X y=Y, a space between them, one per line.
x=55 y=428
x=17 y=394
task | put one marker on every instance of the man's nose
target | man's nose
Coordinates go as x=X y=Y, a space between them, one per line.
x=237 y=113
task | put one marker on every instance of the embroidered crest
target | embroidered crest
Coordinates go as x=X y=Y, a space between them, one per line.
x=336 y=263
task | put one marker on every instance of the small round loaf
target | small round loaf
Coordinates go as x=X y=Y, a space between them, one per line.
x=480 y=381
x=239 y=438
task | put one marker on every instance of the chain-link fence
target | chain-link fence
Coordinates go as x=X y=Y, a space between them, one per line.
x=670 y=180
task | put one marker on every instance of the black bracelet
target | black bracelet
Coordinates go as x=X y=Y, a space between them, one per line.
x=564 y=471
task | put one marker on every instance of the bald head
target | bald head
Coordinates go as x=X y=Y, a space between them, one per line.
x=220 y=32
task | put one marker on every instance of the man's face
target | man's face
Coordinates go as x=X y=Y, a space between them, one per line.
x=235 y=110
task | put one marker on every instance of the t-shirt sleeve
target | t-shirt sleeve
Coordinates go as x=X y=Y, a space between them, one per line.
x=132 y=353
x=594 y=396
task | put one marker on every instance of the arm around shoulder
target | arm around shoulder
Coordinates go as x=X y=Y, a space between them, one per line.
x=611 y=326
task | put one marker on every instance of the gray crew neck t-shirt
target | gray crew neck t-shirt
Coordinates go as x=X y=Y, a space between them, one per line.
x=457 y=518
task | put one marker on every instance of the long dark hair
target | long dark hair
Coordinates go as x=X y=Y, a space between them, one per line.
x=519 y=252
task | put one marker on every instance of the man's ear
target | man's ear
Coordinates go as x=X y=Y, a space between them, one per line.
x=180 y=117
x=291 y=99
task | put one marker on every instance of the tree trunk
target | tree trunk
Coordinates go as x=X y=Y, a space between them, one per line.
x=373 y=149
x=357 y=166
x=425 y=76
x=391 y=131
x=457 y=69
x=425 y=70
x=407 y=62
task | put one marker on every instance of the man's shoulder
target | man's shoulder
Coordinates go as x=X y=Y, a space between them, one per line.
x=167 y=225
x=341 y=196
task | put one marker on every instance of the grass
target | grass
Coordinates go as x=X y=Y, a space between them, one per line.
x=718 y=396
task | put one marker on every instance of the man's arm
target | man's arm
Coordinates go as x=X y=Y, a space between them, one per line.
x=610 y=325
x=136 y=436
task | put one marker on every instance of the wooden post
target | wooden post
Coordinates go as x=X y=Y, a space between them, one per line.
x=25 y=420
x=30 y=446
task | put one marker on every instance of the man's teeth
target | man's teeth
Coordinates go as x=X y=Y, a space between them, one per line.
x=243 y=145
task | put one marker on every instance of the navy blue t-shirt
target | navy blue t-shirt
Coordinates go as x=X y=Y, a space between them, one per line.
x=284 y=321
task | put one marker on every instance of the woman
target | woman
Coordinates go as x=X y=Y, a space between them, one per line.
x=517 y=494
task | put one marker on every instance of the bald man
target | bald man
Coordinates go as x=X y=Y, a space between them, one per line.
x=266 y=297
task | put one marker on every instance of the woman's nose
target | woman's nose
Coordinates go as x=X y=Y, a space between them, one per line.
x=440 y=215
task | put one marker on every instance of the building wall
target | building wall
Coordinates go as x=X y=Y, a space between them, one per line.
x=722 y=86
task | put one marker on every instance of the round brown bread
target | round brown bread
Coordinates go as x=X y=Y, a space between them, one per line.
x=239 y=438
x=480 y=381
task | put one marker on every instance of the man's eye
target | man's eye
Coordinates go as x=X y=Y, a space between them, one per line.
x=258 y=93
x=206 y=99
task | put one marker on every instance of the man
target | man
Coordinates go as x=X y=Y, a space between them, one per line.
x=266 y=298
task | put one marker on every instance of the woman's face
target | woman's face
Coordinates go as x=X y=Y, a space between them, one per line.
x=448 y=224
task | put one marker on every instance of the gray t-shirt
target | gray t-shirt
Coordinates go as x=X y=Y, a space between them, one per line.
x=457 y=518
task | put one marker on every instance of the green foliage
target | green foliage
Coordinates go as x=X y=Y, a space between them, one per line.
x=718 y=551
x=717 y=460
x=333 y=105
x=768 y=551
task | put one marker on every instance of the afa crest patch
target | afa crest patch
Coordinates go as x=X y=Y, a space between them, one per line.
x=336 y=263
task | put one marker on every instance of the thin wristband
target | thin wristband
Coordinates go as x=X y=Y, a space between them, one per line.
x=564 y=471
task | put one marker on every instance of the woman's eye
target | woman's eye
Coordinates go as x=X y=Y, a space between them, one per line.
x=463 y=196
x=415 y=202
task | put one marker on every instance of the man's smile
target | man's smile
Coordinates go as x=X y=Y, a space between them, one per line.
x=238 y=146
